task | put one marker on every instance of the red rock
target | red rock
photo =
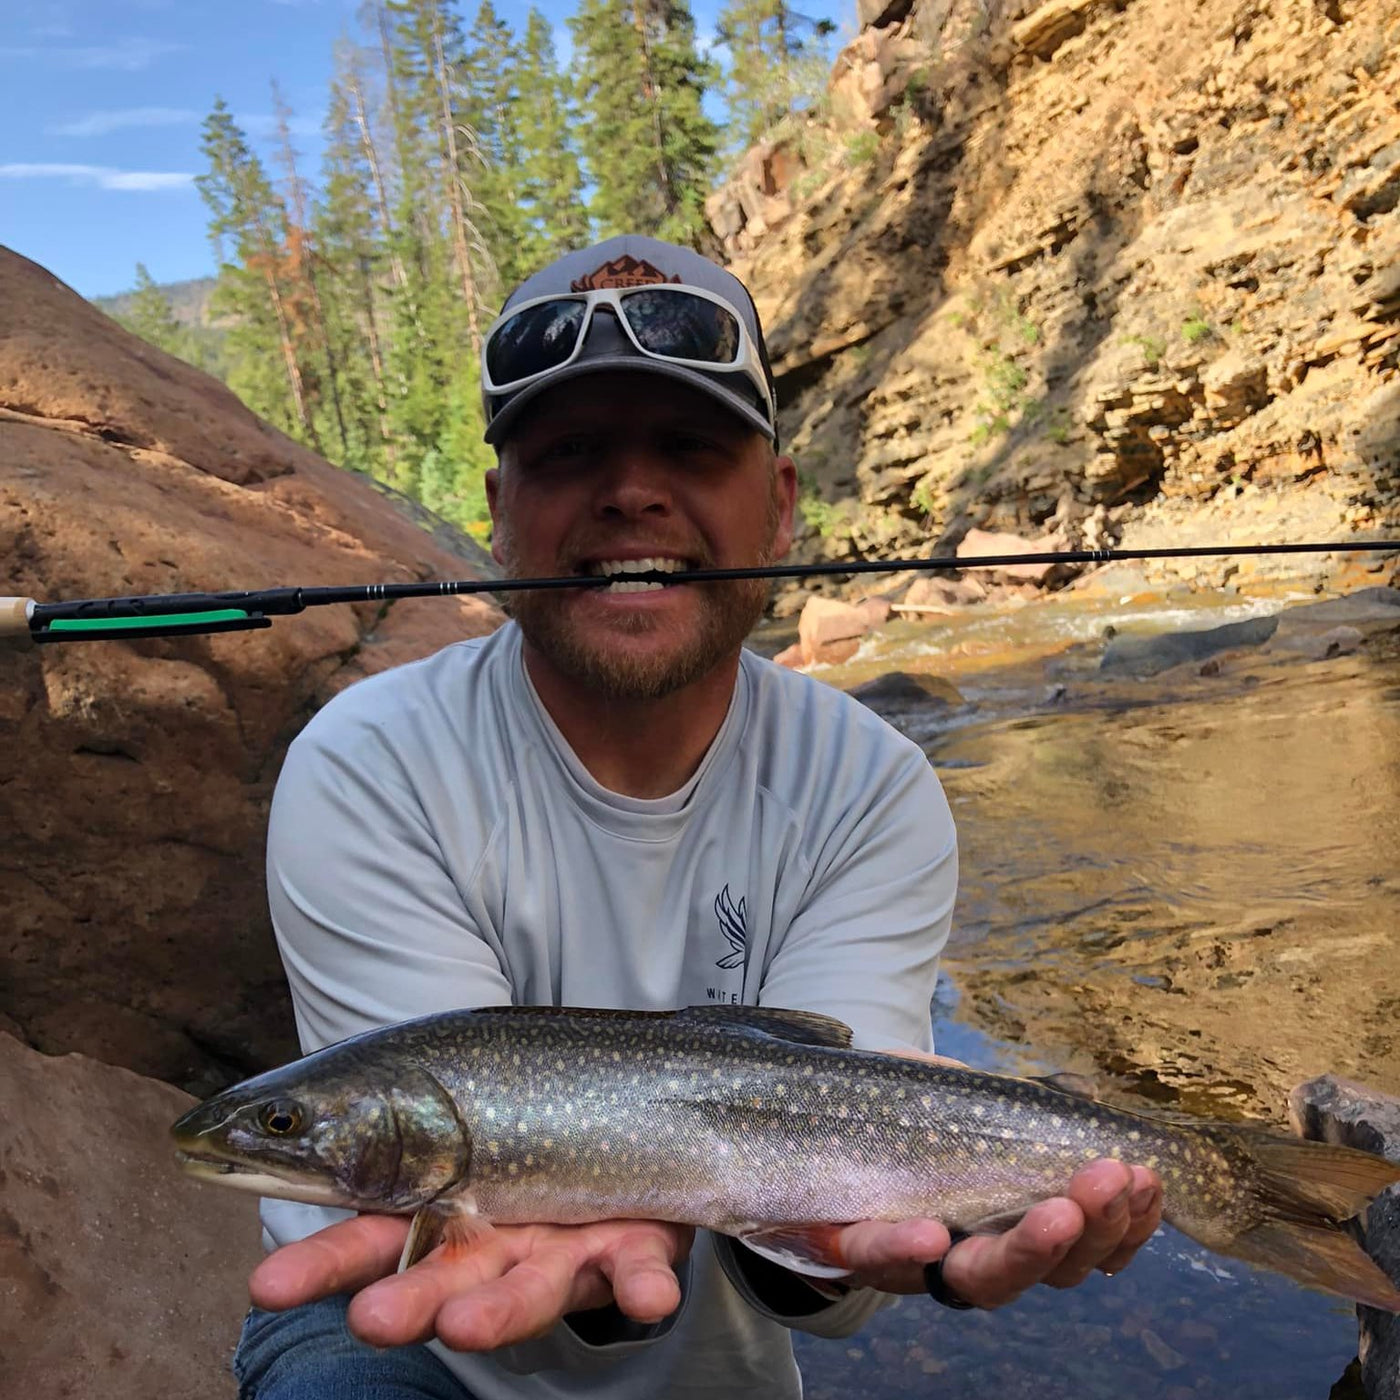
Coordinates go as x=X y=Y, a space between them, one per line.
x=790 y=657
x=121 y=1277
x=827 y=621
x=135 y=776
x=977 y=542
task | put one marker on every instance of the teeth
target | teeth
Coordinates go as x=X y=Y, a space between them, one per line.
x=618 y=568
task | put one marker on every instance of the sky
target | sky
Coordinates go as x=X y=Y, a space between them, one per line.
x=101 y=103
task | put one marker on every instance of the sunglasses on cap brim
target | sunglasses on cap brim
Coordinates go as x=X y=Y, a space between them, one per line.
x=681 y=325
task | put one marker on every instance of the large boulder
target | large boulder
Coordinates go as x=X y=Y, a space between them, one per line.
x=120 y=1278
x=135 y=776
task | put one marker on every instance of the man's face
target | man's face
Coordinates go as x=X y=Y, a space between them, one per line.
x=617 y=468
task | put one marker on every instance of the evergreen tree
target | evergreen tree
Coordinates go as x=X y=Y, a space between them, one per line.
x=249 y=220
x=650 y=147
x=489 y=77
x=551 y=182
x=352 y=247
x=151 y=316
x=777 y=62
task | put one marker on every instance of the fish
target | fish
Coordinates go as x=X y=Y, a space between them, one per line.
x=755 y=1122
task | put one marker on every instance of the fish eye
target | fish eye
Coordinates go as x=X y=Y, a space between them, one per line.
x=280 y=1117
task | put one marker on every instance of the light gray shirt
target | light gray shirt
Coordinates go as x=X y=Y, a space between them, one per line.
x=435 y=843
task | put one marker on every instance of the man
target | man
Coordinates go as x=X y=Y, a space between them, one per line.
x=609 y=803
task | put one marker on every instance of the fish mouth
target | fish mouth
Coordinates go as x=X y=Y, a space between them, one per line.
x=307 y=1188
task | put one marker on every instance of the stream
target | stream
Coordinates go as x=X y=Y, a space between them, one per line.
x=1186 y=886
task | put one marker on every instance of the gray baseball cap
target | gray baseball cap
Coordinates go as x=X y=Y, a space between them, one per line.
x=634 y=261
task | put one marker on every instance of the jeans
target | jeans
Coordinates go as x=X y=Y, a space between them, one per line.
x=308 y=1353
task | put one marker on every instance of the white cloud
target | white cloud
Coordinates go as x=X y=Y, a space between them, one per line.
x=129 y=55
x=104 y=123
x=105 y=177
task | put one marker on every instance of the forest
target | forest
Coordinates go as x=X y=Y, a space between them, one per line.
x=459 y=158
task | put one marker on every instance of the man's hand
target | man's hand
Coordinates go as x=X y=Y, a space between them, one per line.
x=514 y=1283
x=1108 y=1212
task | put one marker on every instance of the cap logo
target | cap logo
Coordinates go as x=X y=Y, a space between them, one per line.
x=625 y=271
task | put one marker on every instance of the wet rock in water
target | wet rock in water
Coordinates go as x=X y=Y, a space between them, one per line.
x=1149 y=656
x=830 y=631
x=1330 y=1109
x=901 y=691
x=1338 y=626
x=1163 y=1353
x=121 y=1277
x=941 y=595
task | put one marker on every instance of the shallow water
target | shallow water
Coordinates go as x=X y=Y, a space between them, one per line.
x=1190 y=886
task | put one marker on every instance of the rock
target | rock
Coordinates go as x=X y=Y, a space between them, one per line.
x=791 y=657
x=984 y=542
x=135 y=776
x=903 y=691
x=1050 y=24
x=1166 y=1356
x=121 y=1278
x=1336 y=1110
x=830 y=631
x=876 y=610
x=941 y=592
x=1147 y=656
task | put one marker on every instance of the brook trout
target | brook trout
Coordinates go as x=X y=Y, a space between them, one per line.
x=757 y=1123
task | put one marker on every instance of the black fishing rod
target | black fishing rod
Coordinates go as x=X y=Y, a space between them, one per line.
x=183 y=614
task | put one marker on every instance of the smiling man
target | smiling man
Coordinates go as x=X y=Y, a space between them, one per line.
x=611 y=803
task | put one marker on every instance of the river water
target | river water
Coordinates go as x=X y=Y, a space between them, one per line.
x=1187 y=886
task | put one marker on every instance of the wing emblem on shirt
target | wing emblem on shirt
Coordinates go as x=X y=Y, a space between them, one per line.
x=731 y=918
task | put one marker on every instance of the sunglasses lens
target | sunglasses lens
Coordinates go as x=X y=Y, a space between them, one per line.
x=537 y=339
x=683 y=327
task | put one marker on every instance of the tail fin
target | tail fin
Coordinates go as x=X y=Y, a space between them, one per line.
x=1306 y=1192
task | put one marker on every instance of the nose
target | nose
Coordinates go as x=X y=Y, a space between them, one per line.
x=633 y=485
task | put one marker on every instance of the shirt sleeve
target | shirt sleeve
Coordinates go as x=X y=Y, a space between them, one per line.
x=373 y=929
x=864 y=947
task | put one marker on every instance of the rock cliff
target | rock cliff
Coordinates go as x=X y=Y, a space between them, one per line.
x=1111 y=270
x=135 y=776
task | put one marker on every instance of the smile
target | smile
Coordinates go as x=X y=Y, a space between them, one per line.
x=622 y=571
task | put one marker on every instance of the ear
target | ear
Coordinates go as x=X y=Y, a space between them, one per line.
x=785 y=484
x=492 y=479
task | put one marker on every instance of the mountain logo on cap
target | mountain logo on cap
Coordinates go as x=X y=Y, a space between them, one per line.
x=625 y=271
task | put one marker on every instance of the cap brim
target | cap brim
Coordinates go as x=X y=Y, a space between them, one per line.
x=506 y=418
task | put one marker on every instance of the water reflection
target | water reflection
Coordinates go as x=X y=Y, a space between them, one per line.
x=1189 y=887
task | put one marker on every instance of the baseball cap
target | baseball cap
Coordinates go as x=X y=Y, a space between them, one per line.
x=628 y=261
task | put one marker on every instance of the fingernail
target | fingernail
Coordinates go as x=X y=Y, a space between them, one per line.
x=1141 y=1201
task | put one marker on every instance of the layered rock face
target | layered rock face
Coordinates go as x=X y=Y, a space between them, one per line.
x=135 y=776
x=1098 y=269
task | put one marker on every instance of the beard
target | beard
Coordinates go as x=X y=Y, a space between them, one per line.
x=729 y=610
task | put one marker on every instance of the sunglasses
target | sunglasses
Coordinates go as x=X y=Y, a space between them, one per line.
x=681 y=325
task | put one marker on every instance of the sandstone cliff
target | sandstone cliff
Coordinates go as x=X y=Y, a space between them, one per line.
x=135 y=776
x=1102 y=269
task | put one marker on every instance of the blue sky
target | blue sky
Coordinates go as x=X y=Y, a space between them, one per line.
x=101 y=103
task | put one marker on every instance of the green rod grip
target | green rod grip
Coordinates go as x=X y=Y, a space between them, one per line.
x=78 y=625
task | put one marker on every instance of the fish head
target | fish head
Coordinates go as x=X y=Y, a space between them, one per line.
x=338 y=1131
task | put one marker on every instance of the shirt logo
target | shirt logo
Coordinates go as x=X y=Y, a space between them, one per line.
x=732 y=925
x=625 y=271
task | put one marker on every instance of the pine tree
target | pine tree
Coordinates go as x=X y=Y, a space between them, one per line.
x=352 y=244
x=777 y=62
x=489 y=77
x=250 y=221
x=651 y=149
x=551 y=182
x=151 y=316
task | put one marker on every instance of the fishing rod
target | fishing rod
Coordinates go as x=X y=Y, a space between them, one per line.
x=184 y=614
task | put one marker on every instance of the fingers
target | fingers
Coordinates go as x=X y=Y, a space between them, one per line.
x=518 y=1281
x=891 y=1257
x=992 y=1270
x=641 y=1271
x=339 y=1259
x=1108 y=1193
x=1144 y=1218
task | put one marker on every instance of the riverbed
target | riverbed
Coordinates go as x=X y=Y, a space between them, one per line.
x=1186 y=886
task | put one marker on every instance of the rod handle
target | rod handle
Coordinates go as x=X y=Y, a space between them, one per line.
x=14 y=617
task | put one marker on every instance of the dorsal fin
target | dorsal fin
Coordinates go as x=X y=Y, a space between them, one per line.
x=800 y=1027
x=1067 y=1081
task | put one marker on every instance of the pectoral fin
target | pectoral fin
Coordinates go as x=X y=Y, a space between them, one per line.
x=453 y=1224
